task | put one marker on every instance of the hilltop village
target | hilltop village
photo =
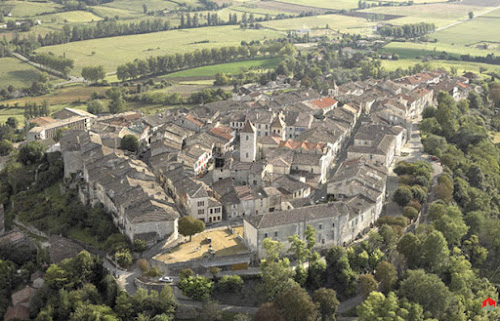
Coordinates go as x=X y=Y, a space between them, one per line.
x=273 y=159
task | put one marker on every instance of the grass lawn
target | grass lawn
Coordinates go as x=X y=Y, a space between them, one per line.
x=229 y=68
x=223 y=243
x=462 y=66
x=16 y=73
x=110 y=52
x=334 y=22
x=29 y=9
x=104 y=11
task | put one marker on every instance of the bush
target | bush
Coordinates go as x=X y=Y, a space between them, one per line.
x=143 y=265
x=419 y=193
x=6 y=147
x=185 y=273
x=232 y=284
x=410 y=212
x=154 y=272
x=123 y=258
x=389 y=220
x=196 y=287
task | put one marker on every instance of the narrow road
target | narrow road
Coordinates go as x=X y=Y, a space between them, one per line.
x=465 y=20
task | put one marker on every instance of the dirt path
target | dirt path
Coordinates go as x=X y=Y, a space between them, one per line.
x=465 y=20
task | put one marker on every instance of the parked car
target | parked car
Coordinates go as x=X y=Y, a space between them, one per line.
x=166 y=279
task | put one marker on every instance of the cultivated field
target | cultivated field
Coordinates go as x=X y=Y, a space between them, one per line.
x=461 y=66
x=113 y=51
x=334 y=22
x=441 y=14
x=28 y=9
x=231 y=68
x=415 y=50
x=16 y=73
x=471 y=33
x=77 y=16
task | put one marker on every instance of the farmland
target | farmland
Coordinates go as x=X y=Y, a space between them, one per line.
x=232 y=68
x=334 y=22
x=117 y=50
x=16 y=73
x=29 y=9
x=76 y=16
x=462 y=66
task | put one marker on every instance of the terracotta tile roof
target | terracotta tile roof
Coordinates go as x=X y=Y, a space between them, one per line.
x=223 y=132
x=324 y=102
x=194 y=120
x=42 y=120
x=18 y=312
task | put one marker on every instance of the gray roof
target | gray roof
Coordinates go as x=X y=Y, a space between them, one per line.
x=299 y=215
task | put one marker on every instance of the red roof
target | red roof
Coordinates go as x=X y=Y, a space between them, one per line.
x=462 y=85
x=193 y=120
x=42 y=120
x=222 y=131
x=324 y=102
x=18 y=312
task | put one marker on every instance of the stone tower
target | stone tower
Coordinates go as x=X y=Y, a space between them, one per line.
x=248 y=143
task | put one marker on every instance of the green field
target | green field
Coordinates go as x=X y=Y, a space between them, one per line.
x=136 y=6
x=70 y=17
x=103 y=12
x=113 y=51
x=470 y=33
x=229 y=68
x=29 y=9
x=334 y=22
x=462 y=66
x=327 y=4
x=415 y=50
x=16 y=73
x=441 y=14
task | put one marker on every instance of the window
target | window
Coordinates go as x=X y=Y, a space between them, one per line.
x=247 y=155
x=265 y=235
x=201 y=203
x=211 y=211
x=217 y=210
x=247 y=137
x=276 y=234
x=201 y=212
x=320 y=226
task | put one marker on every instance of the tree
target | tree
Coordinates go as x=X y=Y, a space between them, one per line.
x=93 y=73
x=269 y=312
x=471 y=15
x=144 y=8
x=402 y=195
x=298 y=248
x=417 y=286
x=189 y=226
x=230 y=284
x=339 y=274
x=117 y=104
x=409 y=246
x=316 y=271
x=451 y=224
x=295 y=304
x=379 y=307
x=130 y=143
x=410 y=212
x=310 y=235
x=326 y=300
x=6 y=147
x=123 y=258
x=387 y=276
x=32 y=152
x=368 y=284
x=95 y=106
x=276 y=273
x=12 y=122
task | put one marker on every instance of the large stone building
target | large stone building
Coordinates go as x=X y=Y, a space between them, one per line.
x=51 y=129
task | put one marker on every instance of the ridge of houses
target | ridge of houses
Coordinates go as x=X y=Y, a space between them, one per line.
x=257 y=158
